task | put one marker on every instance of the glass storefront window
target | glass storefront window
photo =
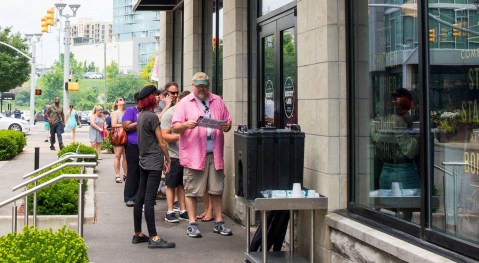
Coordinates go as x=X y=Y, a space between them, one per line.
x=266 y=6
x=178 y=46
x=389 y=149
x=386 y=119
x=454 y=113
x=213 y=44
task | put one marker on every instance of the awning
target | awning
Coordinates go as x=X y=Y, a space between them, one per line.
x=154 y=5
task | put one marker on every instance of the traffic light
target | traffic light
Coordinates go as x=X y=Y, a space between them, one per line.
x=72 y=86
x=456 y=32
x=50 y=17
x=432 y=35
x=38 y=92
x=213 y=43
x=44 y=25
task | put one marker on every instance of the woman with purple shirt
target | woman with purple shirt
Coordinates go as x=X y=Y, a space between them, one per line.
x=132 y=152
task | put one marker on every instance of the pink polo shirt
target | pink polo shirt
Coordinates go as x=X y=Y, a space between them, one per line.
x=193 y=141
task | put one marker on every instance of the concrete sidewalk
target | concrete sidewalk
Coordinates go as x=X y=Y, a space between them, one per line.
x=109 y=238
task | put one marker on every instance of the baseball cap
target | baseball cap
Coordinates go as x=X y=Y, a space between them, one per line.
x=402 y=92
x=105 y=112
x=147 y=90
x=200 y=78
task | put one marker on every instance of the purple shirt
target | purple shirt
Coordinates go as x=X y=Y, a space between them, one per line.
x=131 y=114
x=193 y=141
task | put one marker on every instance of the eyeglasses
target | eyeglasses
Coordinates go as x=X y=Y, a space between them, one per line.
x=206 y=106
x=201 y=86
x=120 y=99
x=173 y=92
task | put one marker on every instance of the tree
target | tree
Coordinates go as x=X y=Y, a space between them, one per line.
x=112 y=70
x=23 y=98
x=124 y=86
x=146 y=71
x=14 y=67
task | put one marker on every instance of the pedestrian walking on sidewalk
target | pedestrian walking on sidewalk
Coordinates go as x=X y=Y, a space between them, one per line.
x=56 y=118
x=154 y=159
x=97 y=129
x=201 y=150
x=46 y=124
x=72 y=123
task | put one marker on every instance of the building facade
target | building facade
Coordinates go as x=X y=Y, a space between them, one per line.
x=386 y=92
x=137 y=27
x=87 y=30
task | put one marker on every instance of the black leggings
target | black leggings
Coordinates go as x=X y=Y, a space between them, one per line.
x=149 y=182
x=132 y=153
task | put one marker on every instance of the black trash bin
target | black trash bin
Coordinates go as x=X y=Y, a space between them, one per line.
x=267 y=159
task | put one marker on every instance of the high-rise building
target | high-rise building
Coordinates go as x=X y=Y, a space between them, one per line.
x=138 y=27
x=87 y=31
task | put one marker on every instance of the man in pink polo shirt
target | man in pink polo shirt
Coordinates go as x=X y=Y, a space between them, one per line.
x=201 y=151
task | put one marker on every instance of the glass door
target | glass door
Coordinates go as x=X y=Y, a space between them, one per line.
x=278 y=72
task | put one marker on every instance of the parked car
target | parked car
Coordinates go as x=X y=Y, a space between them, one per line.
x=40 y=117
x=93 y=75
x=9 y=123
x=84 y=118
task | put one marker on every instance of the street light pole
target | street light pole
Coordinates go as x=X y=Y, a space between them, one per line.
x=104 y=74
x=34 y=39
x=67 y=42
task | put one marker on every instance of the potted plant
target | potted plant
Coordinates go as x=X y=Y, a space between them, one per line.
x=452 y=126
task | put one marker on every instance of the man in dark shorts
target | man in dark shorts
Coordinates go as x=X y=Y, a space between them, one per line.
x=174 y=179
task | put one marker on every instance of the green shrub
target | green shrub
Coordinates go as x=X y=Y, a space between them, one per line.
x=83 y=150
x=11 y=144
x=33 y=245
x=60 y=198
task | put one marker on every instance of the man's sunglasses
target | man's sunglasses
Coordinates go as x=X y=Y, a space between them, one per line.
x=173 y=92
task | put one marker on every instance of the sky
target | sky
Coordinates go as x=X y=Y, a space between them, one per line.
x=24 y=16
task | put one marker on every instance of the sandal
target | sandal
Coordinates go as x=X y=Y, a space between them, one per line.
x=124 y=178
x=206 y=219
x=201 y=216
x=118 y=180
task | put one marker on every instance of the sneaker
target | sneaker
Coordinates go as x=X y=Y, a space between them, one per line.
x=184 y=216
x=140 y=239
x=130 y=203
x=193 y=230
x=52 y=148
x=61 y=146
x=171 y=218
x=220 y=228
x=176 y=207
x=157 y=242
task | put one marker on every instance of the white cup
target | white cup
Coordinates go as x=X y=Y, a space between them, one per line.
x=311 y=193
x=296 y=190
x=396 y=189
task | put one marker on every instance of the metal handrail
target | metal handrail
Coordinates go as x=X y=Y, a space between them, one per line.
x=81 y=195
x=34 y=180
x=84 y=164
x=81 y=156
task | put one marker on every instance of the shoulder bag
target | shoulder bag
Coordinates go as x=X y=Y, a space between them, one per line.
x=118 y=136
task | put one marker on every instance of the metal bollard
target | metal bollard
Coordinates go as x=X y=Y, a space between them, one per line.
x=14 y=218
x=81 y=195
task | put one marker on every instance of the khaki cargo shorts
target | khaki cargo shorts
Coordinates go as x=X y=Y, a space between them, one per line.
x=196 y=182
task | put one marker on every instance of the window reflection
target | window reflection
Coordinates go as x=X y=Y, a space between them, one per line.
x=454 y=42
x=213 y=43
x=386 y=109
x=266 y=6
x=269 y=81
